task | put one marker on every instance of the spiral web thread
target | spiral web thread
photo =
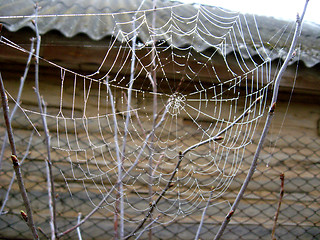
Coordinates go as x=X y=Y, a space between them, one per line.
x=126 y=120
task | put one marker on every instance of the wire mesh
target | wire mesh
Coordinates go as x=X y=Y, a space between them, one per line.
x=297 y=156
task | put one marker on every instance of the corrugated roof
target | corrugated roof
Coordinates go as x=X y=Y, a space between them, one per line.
x=71 y=17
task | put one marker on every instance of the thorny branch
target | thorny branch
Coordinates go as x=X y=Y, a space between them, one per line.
x=266 y=126
x=16 y=163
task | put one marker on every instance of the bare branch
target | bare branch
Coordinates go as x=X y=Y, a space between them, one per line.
x=148 y=226
x=145 y=143
x=42 y=110
x=203 y=216
x=15 y=161
x=43 y=233
x=22 y=80
x=216 y=137
x=78 y=228
x=119 y=160
x=6 y=198
x=155 y=203
x=136 y=115
x=154 y=108
x=279 y=205
x=126 y=130
x=266 y=126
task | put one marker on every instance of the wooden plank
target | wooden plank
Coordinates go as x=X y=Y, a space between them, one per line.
x=82 y=54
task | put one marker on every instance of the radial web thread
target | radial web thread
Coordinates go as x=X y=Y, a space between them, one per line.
x=123 y=126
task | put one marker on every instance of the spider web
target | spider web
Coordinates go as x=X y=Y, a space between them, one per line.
x=119 y=131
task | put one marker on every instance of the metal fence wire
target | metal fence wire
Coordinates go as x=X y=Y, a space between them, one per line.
x=297 y=156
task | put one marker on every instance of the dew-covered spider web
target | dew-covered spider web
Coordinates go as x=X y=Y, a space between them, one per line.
x=164 y=121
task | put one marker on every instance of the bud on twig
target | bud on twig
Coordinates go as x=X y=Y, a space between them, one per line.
x=230 y=214
x=282 y=176
x=24 y=216
x=218 y=138
x=273 y=107
x=15 y=160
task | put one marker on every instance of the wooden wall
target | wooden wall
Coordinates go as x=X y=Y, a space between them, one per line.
x=292 y=148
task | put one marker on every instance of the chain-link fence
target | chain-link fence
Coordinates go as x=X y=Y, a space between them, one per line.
x=297 y=156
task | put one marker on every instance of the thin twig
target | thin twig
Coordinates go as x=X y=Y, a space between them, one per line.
x=279 y=205
x=145 y=143
x=50 y=182
x=152 y=221
x=43 y=233
x=266 y=126
x=119 y=160
x=155 y=203
x=203 y=216
x=136 y=115
x=157 y=164
x=15 y=161
x=78 y=228
x=22 y=80
x=154 y=108
x=216 y=137
x=126 y=130
x=244 y=114
x=42 y=110
x=6 y=198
